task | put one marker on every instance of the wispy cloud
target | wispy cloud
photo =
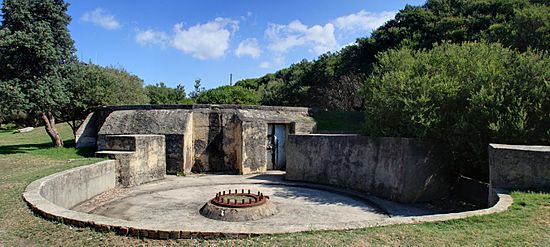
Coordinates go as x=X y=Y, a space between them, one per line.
x=248 y=47
x=205 y=41
x=101 y=18
x=151 y=36
x=319 y=39
x=363 y=20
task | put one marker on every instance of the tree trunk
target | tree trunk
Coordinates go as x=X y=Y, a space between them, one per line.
x=49 y=122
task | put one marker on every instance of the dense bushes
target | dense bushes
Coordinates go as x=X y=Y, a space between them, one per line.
x=161 y=94
x=228 y=95
x=462 y=95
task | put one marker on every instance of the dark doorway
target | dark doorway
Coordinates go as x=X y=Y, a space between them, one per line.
x=276 y=139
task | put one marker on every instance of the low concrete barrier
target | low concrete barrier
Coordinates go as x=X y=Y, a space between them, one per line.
x=69 y=188
x=519 y=166
x=399 y=169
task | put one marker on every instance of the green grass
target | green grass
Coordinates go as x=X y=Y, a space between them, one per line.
x=27 y=157
x=340 y=121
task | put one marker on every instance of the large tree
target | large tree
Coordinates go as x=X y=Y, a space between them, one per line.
x=35 y=51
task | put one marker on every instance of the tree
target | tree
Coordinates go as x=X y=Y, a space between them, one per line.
x=520 y=24
x=93 y=85
x=198 y=89
x=35 y=51
x=228 y=95
x=161 y=94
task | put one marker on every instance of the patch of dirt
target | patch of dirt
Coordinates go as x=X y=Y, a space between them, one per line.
x=99 y=200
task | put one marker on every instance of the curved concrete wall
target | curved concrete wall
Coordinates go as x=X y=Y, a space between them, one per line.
x=68 y=189
x=399 y=169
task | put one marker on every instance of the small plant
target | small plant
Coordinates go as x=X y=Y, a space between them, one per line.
x=181 y=174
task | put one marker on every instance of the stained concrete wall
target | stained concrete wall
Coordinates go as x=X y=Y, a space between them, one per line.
x=201 y=138
x=69 y=188
x=139 y=158
x=519 y=167
x=399 y=169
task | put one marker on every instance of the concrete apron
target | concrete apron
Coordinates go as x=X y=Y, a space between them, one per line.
x=169 y=208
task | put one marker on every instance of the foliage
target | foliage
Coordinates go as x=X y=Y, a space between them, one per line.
x=340 y=121
x=228 y=95
x=198 y=89
x=465 y=96
x=35 y=46
x=93 y=85
x=161 y=94
x=326 y=81
x=35 y=51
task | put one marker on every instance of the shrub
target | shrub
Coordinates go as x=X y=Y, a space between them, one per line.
x=228 y=95
x=464 y=96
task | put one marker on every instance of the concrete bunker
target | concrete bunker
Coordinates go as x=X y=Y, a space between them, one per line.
x=204 y=138
x=329 y=182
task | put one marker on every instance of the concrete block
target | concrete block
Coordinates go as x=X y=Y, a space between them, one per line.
x=519 y=166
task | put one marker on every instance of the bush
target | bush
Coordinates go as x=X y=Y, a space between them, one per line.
x=464 y=96
x=228 y=95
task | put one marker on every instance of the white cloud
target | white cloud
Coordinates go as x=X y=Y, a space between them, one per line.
x=363 y=20
x=101 y=18
x=265 y=65
x=277 y=60
x=319 y=39
x=248 y=47
x=205 y=41
x=151 y=36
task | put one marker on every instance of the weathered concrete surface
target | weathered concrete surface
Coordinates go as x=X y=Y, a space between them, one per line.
x=176 y=202
x=156 y=122
x=519 y=167
x=337 y=210
x=139 y=158
x=72 y=187
x=399 y=169
x=216 y=138
x=215 y=212
x=86 y=134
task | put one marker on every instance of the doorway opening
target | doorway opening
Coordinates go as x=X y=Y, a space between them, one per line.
x=276 y=140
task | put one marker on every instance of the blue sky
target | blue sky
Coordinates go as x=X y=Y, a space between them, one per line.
x=177 y=42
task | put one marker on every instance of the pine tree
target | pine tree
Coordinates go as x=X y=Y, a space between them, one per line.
x=35 y=51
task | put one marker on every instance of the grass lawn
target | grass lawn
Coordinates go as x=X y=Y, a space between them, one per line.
x=27 y=157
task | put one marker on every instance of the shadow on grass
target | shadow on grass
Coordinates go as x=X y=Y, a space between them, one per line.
x=30 y=148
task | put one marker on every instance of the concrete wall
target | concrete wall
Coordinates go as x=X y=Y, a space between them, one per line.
x=519 y=167
x=140 y=158
x=399 y=169
x=201 y=138
x=69 y=188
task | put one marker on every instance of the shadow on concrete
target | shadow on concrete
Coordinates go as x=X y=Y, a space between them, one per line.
x=450 y=204
x=316 y=194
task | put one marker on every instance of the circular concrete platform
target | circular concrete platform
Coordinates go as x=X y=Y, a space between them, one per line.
x=169 y=208
x=176 y=201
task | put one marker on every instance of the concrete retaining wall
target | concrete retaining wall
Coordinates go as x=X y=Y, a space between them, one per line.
x=67 y=189
x=399 y=169
x=519 y=167
x=140 y=158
